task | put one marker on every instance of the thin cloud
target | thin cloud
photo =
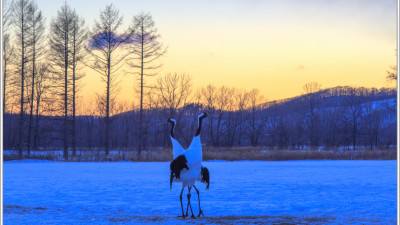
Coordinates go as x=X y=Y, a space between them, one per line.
x=101 y=40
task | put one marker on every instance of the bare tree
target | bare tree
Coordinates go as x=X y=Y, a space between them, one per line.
x=42 y=87
x=255 y=100
x=231 y=118
x=392 y=74
x=103 y=46
x=8 y=58
x=78 y=38
x=272 y=122
x=124 y=129
x=242 y=104
x=371 y=125
x=310 y=89
x=145 y=52
x=299 y=127
x=208 y=96
x=222 y=100
x=7 y=14
x=354 y=101
x=8 y=49
x=36 y=31
x=22 y=14
x=60 y=33
x=172 y=91
x=282 y=130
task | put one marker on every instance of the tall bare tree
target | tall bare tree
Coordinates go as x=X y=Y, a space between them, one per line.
x=78 y=38
x=42 y=86
x=106 y=59
x=22 y=14
x=145 y=52
x=8 y=49
x=60 y=34
x=8 y=58
x=310 y=89
x=36 y=31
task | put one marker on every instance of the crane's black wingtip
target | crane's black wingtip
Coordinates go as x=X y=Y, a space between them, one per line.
x=170 y=181
x=205 y=176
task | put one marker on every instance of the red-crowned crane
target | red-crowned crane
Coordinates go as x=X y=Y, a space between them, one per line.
x=187 y=167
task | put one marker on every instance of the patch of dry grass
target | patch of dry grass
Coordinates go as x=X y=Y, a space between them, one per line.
x=46 y=156
x=234 y=154
x=210 y=153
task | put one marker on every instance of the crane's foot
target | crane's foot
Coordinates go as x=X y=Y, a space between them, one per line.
x=200 y=213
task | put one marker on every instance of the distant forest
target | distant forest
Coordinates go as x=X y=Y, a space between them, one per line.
x=341 y=117
x=43 y=68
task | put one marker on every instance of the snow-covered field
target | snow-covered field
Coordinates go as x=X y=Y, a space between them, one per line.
x=246 y=192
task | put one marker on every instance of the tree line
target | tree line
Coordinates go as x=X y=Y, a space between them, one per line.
x=333 y=118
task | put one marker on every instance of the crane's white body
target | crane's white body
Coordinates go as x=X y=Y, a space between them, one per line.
x=194 y=157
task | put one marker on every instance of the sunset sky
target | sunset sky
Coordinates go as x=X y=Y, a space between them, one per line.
x=275 y=46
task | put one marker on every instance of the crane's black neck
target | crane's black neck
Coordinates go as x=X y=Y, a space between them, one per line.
x=200 y=123
x=172 y=129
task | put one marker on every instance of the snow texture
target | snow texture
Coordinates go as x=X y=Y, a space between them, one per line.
x=343 y=192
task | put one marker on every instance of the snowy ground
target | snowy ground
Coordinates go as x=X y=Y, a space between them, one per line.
x=290 y=192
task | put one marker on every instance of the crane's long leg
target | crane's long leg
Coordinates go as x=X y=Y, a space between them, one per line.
x=180 y=197
x=189 y=204
x=198 y=196
x=187 y=207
